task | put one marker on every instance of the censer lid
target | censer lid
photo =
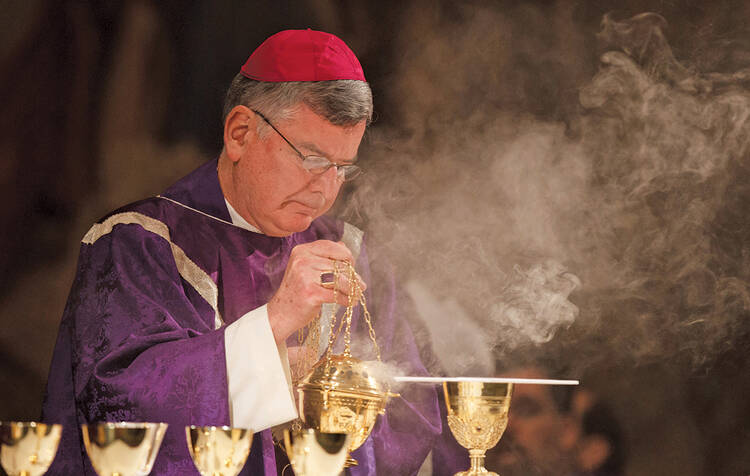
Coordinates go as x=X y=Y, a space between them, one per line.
x=343 y=373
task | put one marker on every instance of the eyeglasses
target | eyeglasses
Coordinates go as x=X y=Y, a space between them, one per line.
x=317 y=165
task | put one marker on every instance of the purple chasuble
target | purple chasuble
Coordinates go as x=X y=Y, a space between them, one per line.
x=142 y=334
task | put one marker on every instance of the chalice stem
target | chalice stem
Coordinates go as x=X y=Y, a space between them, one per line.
x=477 y=461
x=477 y=464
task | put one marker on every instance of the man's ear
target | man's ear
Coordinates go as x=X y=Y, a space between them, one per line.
x=593 y=452
x=239 y=129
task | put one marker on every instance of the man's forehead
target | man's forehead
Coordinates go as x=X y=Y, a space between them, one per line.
x=313 y=134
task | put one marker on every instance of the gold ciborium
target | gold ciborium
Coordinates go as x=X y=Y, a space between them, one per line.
x=218 y=450
x=340 y=395
x=28 y=448
x=477 y=417
x=123 y=448
x=314 y=453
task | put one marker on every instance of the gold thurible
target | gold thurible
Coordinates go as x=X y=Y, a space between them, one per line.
x=340 y=393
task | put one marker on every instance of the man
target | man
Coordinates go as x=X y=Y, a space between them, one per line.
x=183 y=304
x=557 y=430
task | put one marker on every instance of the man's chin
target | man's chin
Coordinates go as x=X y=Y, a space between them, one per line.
x=295 y=224
x=301 y=222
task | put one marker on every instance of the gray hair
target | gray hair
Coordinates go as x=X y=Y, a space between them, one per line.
x=342 y=102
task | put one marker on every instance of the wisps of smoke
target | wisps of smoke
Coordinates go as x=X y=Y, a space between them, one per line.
x=535 y=303
x=667 y=148
x=500 y=216
x=465 y=349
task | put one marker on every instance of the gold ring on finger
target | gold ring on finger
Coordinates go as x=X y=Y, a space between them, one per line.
x=327 y=279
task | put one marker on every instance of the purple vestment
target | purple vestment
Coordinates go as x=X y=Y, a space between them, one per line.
x=138 y=339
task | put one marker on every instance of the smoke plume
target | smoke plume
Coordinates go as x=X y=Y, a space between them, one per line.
x=621 y=227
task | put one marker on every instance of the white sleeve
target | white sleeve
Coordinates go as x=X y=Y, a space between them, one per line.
x=258 y=376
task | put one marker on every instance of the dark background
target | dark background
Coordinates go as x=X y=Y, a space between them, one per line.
x=107 y=102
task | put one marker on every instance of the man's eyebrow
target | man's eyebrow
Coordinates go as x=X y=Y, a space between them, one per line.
x=312 y=148
x=315 y=150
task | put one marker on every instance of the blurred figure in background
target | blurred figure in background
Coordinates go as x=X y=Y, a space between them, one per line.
x=557 y=430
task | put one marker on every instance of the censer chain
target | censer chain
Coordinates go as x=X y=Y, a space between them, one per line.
x=356 y=291
x=311 y=342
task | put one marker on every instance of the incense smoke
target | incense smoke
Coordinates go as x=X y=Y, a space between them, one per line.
x=624 y=224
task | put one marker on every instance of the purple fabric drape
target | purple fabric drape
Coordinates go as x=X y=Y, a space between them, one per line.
x=137 y=340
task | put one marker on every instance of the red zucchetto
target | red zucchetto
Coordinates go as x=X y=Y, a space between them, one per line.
x=302 y=55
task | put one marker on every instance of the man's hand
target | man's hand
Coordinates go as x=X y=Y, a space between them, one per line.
x=301 y=293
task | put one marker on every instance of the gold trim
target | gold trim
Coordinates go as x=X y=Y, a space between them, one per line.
x=195 y=210
x=190 y=272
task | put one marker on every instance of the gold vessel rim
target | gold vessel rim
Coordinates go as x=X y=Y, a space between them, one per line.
x=124 y=424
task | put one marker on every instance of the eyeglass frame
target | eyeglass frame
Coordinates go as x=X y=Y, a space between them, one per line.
x=341 y=170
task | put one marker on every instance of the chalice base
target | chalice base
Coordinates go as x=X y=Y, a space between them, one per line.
x=477 y=465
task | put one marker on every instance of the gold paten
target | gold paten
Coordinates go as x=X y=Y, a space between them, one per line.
x=340 y=394
x=477 y=417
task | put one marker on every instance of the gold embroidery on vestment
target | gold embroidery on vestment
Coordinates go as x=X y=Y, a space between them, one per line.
x=190 y=272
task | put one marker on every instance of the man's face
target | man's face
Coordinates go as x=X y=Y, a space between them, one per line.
x=534 y=442
x=272 y=190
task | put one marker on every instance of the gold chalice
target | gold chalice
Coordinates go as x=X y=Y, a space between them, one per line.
x=218 y=450
x=477 y=417
x=28 y=448
x=340 y=395
x=478 y=411
x=123 y=448
x=314 y=453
